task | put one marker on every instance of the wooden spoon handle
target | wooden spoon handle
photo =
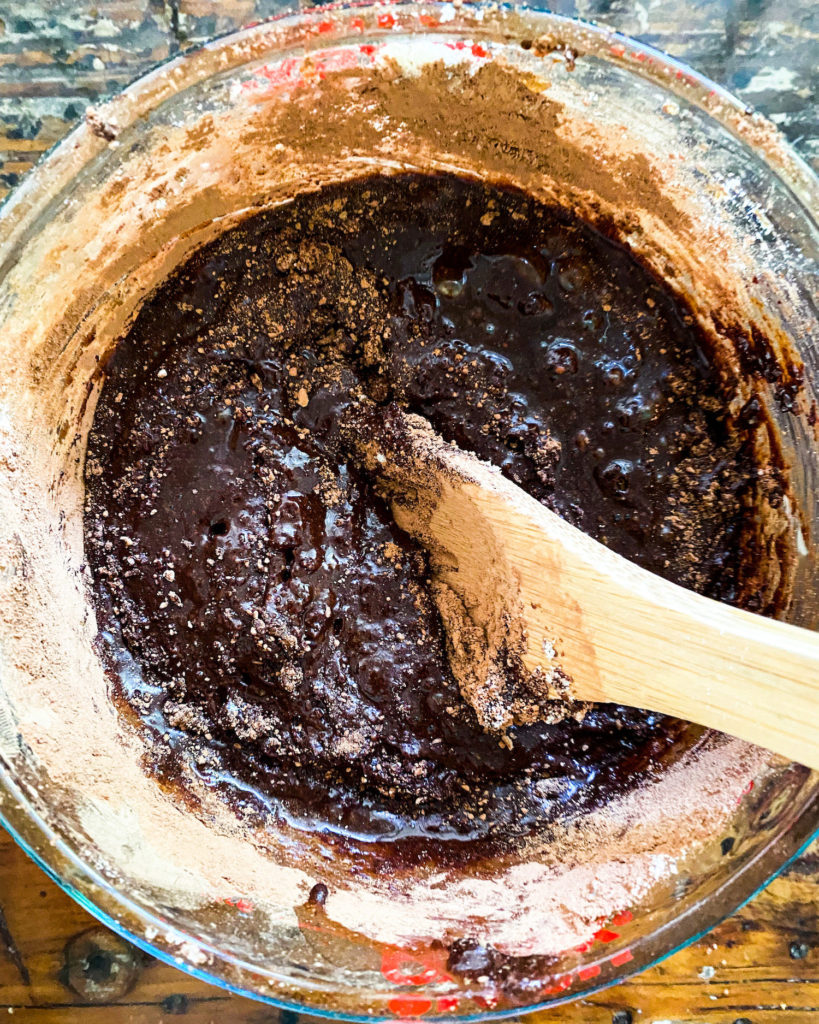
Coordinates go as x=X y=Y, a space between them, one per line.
x=627 y=636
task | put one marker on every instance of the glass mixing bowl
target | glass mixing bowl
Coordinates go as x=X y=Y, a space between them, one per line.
x=705 y=192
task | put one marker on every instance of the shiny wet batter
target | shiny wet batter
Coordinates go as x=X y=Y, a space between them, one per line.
x=281 y=639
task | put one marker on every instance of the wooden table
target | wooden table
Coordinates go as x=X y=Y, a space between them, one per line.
x=57 y=966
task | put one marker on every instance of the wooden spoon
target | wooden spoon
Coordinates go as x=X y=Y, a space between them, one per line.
x=621 y=634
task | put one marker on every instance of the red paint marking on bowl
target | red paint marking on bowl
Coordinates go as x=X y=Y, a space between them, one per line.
x=474 y=48
x=242 y=905
x=297 y=71
x=444 y=1004
x=410 y=1005
x=488 y=1002
x=404 y=967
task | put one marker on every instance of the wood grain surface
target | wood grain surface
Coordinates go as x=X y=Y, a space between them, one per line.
x=57 y=965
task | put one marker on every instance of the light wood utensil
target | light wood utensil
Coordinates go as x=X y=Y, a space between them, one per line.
x=621 y=633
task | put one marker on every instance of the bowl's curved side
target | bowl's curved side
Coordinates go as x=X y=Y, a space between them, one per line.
x=209 y=138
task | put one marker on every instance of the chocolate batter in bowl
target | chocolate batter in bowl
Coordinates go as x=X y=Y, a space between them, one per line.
x=574 y=258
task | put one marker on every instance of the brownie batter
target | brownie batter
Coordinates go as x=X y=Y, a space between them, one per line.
x=280 y=638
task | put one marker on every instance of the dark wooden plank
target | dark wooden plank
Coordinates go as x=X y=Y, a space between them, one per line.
x=57 y=58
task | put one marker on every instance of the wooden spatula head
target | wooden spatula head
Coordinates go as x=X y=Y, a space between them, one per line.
x=584 y=622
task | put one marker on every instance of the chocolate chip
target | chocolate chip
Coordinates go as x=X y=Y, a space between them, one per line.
x=318 y=895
